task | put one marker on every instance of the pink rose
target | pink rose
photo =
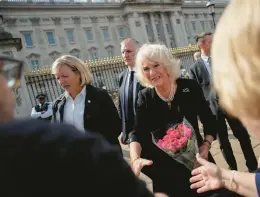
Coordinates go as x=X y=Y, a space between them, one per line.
x=183 y=141
x=170 y=131
x=187 y=132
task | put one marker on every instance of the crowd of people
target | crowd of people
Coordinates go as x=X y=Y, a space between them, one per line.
x=74 y=147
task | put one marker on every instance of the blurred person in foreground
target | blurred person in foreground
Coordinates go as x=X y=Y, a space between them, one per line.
x=43 y=159
x=167 y=98
x=83 y=105
x=236 y=77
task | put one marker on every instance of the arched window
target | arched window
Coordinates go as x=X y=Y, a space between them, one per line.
x=93 y=53
x=110 y=50
x=54 y=55
x=75 y=53
x=34 y=61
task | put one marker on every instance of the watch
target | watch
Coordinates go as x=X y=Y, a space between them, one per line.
x=205 y=141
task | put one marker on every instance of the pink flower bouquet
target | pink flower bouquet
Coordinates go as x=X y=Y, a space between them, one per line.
x=179 y=142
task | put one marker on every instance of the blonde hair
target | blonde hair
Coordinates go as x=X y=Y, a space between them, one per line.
x=76 y=65
x=236 y=58
x=196 y=55
x=156 y=53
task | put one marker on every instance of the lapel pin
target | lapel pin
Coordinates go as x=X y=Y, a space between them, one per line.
x=89 y=101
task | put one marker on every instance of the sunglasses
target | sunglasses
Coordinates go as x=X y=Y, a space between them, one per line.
x=12 y=70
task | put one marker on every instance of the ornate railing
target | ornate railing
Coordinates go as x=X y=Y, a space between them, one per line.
x=105 y=72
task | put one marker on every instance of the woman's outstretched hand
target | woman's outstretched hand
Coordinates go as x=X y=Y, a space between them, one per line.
x=138 y=164
x=207 y=177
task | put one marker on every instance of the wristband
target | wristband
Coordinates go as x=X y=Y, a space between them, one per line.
x=208 y=142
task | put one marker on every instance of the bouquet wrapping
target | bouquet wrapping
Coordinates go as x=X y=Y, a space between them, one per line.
x=179 y=141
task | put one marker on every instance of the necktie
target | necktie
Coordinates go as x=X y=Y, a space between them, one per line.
x=130 y=102
x=209 y=61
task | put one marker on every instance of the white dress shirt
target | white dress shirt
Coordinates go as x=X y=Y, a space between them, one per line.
x=127 y=87
x=207 y=64
x=47 y=114
x=74 y=110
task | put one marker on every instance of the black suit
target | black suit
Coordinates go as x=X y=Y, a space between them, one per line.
x=43 y=159
x=199 y=72
x=152 y=114
x=100 y=114
x=127 y=124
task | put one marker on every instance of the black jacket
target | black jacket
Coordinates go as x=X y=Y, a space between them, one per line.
x=43 y=159
x=126 y=127
x=152 y=114
x=100 y=114
x=198 y=71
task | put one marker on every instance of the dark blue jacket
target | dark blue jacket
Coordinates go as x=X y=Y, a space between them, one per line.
x=43 y=159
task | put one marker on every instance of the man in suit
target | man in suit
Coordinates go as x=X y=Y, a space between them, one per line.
x=39 y=158
x=43 y=110
x=128 y=88
x=201 y=71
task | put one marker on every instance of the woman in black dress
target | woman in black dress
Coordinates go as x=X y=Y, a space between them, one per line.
x=167 y=98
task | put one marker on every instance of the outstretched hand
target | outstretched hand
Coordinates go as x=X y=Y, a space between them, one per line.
x=138 y=164
x=207 y=177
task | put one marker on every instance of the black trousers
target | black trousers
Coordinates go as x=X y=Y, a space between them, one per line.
x=241 y=134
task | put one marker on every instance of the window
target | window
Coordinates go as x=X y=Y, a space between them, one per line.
x=121 y=32
x=70 y=35
x=178 y=21
x=28 y=39
x=50 y=36
x=172 y=44
x=54 y=55
x=93 y=53
x=202 y=25
x=110 y=51
x=75 y=53
x=35 y=64
x=105 y=34
x=89 y=34
x=168 y=28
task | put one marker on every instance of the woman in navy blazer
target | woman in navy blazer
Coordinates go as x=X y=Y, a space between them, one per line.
x=167 y=98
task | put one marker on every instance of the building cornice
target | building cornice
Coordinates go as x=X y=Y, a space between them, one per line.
x=12 y=42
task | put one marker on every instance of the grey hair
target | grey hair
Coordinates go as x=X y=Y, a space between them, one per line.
x=156 y=53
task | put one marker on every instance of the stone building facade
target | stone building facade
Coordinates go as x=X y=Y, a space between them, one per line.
x=93 y=29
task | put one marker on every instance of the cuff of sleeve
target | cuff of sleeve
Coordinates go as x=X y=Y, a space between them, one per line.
x=133 y=138
x=257 y=181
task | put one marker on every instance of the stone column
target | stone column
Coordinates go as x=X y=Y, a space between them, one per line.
x=188 y=27
x=183 y=29
x=145 y=35
x=174 y=29
x=79 y=35
x=60 y=34
x=207 y=22
x=198 y=25
x=155 y=33
x=132 y=26
x=166 y=35
x=113 y=29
